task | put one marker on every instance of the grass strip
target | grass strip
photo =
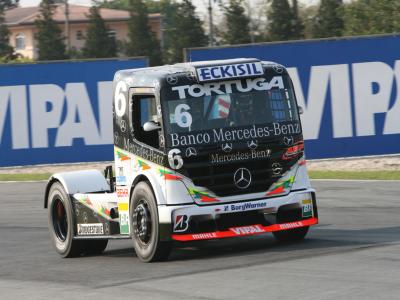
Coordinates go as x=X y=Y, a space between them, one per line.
x=360 y=175
x=24 y=177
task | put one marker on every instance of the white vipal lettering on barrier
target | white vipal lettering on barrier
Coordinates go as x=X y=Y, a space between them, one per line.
x=41 y=119
x=337 y=77
x=313 y=108
x=15 y=98
x=78 y=104
x=105 y=96
x=341 y=101
x=392 y=123
x=368 y=101
x=47 y=102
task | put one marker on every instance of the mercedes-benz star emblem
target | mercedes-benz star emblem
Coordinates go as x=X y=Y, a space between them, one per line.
x=242 y=178
x=162 y=141
x=227 y=147
x=253 y=144
x=122 y=125
x=276 y=169
x=288 y=140
x=171 y=79
x=190 y=76
x=278 y=68
x=131 y=105
x=129 y=81
x=116 y=138
x=191 y=152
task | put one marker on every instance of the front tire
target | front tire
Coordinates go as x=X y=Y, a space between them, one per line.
x=144 y=226
x=291 y=235
x=61 y=222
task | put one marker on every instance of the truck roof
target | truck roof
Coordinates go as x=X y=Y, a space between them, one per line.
x=152 y=76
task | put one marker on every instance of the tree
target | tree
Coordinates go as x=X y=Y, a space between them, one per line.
x=237 y=24
x=7 y=4
x=297 y=24
x=141 y=40
x=372 y=17
x=308 y=15
x=182 y=28
x=6 y=51
x=50 y=42
x=98 y=42
x=328 y=21
x=283 y=21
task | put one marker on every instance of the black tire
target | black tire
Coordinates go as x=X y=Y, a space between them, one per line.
x=144 y=225
x=291 y=235
x=61 y=222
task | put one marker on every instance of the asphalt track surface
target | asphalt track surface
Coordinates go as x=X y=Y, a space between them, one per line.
x=354 y=253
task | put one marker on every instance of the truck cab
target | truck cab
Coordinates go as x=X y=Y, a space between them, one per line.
x=203 y=150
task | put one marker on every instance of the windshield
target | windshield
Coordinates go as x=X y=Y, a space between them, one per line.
x=265 y=110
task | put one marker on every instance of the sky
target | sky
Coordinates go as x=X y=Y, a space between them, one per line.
x=201 y=5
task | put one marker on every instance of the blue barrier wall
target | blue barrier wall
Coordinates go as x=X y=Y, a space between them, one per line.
x=349 y=89
x=58 y=112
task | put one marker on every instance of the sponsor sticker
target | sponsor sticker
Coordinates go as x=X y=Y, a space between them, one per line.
x=225 y=87
x=226 y=136
x=306 y=208
x=290 y=225
x=123 y=206
x=203 y=236
x=246 y=230
x=124 y=222
x=122 y=192
x=245 y=206
x=293 y=151
x=121 y=180
x=90 y=229
x=181 y=223
x=239 y=156
x=229 y=71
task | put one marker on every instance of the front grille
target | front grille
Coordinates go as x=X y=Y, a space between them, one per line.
x=219 y=178
x=226 y=221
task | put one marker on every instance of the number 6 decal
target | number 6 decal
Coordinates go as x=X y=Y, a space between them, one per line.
x=120 y=99
x=175 y=159
x=182 y=117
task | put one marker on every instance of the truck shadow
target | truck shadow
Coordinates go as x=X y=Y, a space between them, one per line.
x=320 y=241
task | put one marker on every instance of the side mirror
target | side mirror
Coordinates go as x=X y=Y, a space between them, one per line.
x=300 y=109
x=151 y=126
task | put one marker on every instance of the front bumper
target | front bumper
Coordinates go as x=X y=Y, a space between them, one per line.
x=193 y=222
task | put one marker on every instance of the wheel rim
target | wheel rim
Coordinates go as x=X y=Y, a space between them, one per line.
x=60 y=221
x=142 y=222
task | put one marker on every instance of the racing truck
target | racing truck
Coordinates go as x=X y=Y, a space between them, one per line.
x=202 y=150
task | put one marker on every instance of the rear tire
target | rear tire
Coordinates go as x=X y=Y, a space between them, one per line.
x=61 y=222
x=144 y=226
x=291 y=235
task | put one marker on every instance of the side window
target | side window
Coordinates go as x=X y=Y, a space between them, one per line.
x=278 y=106
x=79 y=35
x=144 y=110
x=20 y=41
